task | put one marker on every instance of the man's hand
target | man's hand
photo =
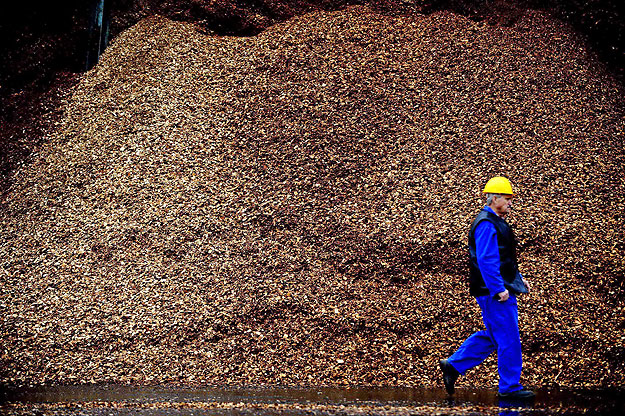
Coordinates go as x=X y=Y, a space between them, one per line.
x=503 y=296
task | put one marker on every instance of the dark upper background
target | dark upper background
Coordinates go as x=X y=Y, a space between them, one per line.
x=43 y=45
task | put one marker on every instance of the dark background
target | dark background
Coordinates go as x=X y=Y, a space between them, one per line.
x=40 y=38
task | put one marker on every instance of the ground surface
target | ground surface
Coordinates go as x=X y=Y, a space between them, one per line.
x=292 y=208
x=106 y=400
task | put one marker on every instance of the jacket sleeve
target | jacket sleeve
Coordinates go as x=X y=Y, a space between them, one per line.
x=488 y=260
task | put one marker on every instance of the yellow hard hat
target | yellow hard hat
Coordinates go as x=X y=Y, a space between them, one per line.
x=498 y=185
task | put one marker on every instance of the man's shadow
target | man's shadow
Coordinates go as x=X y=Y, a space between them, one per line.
x=512 y=407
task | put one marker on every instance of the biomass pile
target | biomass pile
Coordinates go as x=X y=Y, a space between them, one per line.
x=292 y=208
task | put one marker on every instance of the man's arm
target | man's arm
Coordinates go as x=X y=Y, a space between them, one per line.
x=488 y=260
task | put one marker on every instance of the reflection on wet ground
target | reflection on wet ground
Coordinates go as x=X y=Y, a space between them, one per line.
x=127 y=400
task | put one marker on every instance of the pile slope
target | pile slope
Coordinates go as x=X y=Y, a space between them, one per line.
x=292 y=208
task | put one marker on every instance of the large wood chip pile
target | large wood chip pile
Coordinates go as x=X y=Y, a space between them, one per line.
x=292 y=208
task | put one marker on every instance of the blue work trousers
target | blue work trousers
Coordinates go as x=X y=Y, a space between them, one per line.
x=502 y=335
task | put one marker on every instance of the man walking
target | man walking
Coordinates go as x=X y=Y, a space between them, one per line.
x=495 y=281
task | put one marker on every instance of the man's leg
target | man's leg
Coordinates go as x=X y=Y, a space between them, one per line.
x=472 y=352
x=476 y=348
x=502 y=322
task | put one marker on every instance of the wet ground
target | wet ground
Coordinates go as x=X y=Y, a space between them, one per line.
x=127 y=400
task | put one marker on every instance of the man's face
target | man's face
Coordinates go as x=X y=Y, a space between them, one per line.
x=502 y=205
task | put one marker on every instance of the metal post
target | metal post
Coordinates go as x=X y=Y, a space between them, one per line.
x=98 y=33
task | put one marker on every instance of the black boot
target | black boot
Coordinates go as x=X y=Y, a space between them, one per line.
x=450 y=375
x=518 y=395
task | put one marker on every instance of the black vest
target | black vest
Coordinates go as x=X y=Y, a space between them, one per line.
x=507 y=255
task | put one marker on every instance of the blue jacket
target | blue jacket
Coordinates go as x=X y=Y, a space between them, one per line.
x=493 y=261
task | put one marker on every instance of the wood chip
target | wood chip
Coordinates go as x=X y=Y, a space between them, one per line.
x=292 y=208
